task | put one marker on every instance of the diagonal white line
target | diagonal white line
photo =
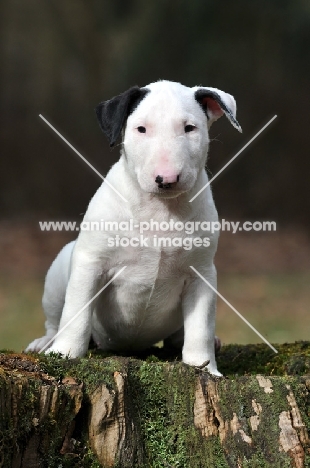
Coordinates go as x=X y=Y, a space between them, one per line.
x=235 y=310
x=233 y=158
x=83 y=308
x=82 y=157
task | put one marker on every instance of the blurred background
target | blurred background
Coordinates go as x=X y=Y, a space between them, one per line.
x=60 y=59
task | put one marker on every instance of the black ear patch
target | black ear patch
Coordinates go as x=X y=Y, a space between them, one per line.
x=212 y=102
x=113 y=114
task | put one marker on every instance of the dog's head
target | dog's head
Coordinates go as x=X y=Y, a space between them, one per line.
x=165 y=132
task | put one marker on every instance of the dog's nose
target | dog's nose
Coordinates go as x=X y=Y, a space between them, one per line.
x=167 y=181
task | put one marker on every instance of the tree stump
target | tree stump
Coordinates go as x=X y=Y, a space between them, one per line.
x=154 y=411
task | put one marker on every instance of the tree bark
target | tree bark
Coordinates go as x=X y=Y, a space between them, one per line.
x=128 y=412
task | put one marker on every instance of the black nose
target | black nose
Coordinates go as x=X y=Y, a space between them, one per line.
x=159 y=181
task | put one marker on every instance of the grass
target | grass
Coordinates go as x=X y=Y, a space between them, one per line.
x=276 y=304
x=21 y=316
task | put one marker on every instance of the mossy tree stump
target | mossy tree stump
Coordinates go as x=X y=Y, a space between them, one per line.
x=154 y=411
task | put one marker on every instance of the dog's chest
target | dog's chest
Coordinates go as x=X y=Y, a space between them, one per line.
x=147 y=295
x=151 y=272
x=157 y=254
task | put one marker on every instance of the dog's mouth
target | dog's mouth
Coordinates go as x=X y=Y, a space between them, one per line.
x=162 y=188
x=168 y=189
x=163 y=192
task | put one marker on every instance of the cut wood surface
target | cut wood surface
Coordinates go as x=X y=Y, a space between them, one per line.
x=154 y=411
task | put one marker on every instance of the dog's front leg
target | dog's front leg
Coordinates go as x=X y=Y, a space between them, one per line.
x=199 y=305
x=75 y=325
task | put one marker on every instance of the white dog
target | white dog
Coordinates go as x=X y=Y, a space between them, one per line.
x=158 y=296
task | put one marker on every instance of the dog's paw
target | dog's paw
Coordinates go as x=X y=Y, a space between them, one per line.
x=65 y=349
x=36 y=345
x=213 y=372
x=205 y=367
x=58 y=350
x=201 y=365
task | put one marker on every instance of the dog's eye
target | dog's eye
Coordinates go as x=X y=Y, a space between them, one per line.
x=189 y=128
x=141 y=129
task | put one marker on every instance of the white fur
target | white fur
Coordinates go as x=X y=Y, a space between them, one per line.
x=157 y=294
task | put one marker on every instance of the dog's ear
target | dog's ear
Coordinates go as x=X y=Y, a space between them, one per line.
x=113 y=114
x=215 y=103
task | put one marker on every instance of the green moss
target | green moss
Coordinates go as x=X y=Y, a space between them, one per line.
x=91 y=371
x=258 y=460
x=82 y=458
x=164 y=399
x=291 y=359
x=267 y=433
x=301 y=391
